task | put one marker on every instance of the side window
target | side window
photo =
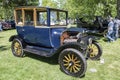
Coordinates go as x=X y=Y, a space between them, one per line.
x=53 y=18
x=41 y=18
x=29 y=17
x=19 y=17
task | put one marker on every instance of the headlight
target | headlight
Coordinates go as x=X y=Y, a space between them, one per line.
x=82 y=42
x=90 y=41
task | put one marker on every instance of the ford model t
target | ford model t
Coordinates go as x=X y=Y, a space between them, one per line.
x=43 y=31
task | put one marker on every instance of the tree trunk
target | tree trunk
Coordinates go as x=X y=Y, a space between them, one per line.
x=118 y=8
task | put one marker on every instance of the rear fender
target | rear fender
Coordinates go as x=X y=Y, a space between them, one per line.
x=13 y=37
x=16 y=36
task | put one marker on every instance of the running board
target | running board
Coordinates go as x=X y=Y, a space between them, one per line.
x=47 y=52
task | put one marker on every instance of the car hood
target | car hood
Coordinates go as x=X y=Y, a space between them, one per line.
x=82 y=30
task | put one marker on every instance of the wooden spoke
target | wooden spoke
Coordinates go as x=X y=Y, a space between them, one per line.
x=66 y=58
x=72 y=57
x=78 y=65
x=77 y=61
x=69 y=56
x=68 y=67
x=67 y=64
x=74 y=70
x=77 y=68
x=71 y=69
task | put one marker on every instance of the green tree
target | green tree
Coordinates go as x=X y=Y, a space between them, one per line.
x=91 y=7
x=7 y=6
x=118 y=8
x=50 y=3
x=76 y=8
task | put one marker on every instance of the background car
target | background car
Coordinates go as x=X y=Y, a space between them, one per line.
x=12 y=23
x=96 y=25
x=8 y=24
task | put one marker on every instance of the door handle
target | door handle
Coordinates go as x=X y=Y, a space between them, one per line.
x=23 y=30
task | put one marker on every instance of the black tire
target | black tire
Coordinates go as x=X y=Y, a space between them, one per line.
x=94 y=51
x=17 y=47
x=72 y=62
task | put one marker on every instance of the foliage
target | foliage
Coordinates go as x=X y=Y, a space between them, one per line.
x=7 y=6
x=49 y=3
x=91 y=7
x=118 y=8
x=77 y=8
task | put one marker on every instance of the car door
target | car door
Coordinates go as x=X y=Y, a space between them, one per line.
x=36 y=35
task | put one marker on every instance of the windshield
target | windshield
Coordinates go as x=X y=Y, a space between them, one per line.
x=57 y=18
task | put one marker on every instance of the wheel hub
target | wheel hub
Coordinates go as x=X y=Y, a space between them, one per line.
x=90 y=50
x=71 y=63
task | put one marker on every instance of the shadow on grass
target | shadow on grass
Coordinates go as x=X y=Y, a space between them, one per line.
x=3 y=48
x=99 y=36
x=105 y=40
x=1 y=37
x=96 y=36
x=50 y=60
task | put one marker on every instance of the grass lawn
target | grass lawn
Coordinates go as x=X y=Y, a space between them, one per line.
x=33 y=67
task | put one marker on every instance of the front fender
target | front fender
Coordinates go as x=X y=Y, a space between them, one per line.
x=87 y=40
x=94 y=41
x=74 y=45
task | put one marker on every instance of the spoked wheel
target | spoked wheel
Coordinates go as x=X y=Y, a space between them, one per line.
x=105 y=33
x=17 y=48
x=94 y=51
x=72 y=62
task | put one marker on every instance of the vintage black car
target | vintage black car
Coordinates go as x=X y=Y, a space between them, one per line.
x=8 y=24
x=43 y=31
x=97 y=25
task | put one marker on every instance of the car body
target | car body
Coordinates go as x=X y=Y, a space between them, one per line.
x=12 y=23
x=43 y=31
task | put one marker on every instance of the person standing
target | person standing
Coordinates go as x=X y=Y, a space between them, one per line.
x=0 y=26
x=116 y=28
x=110 y=30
